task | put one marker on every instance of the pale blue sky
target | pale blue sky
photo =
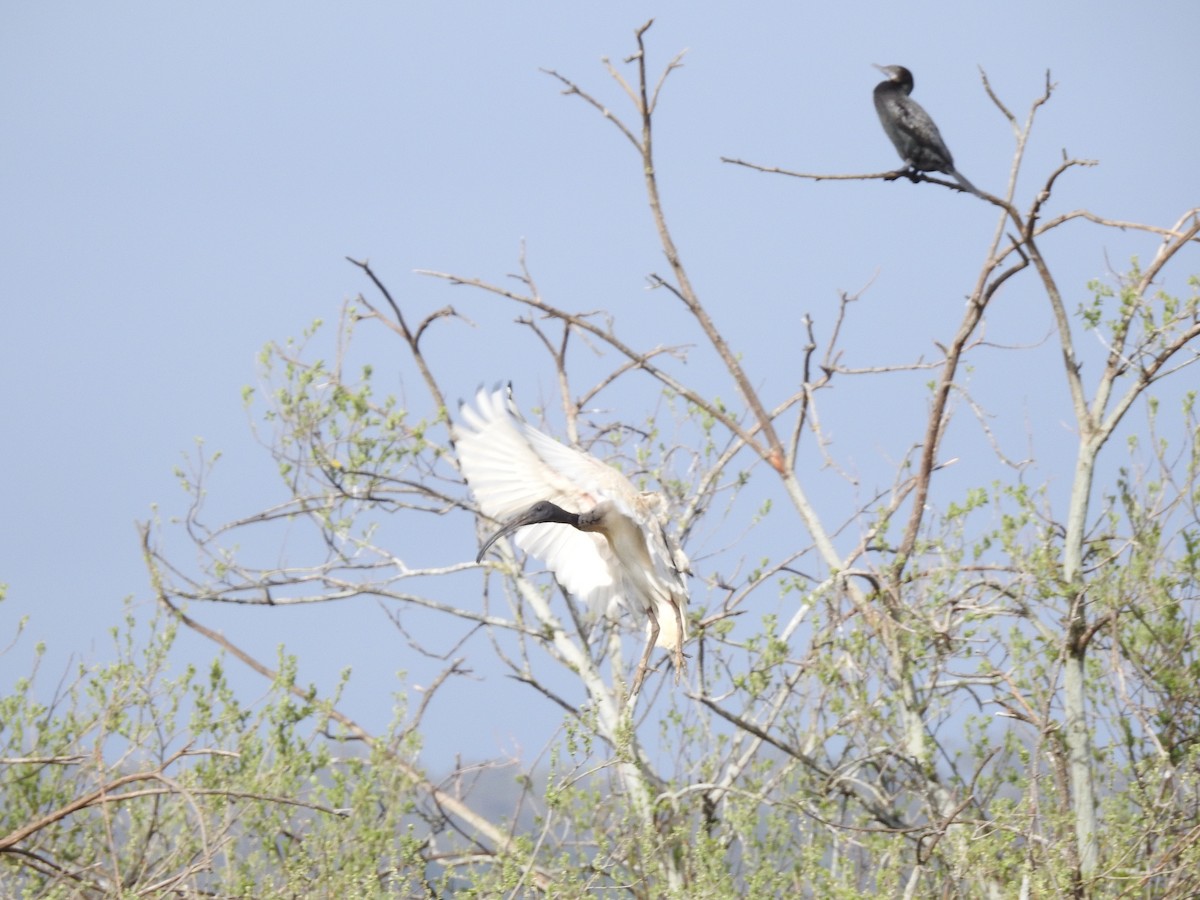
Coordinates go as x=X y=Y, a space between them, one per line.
x=179 y=186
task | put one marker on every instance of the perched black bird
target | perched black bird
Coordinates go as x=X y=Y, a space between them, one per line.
x=916 y=138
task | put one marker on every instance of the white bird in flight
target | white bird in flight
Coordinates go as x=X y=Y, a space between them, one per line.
x=602 y=538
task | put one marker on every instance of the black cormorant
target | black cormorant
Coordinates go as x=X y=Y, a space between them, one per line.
x=911 y=129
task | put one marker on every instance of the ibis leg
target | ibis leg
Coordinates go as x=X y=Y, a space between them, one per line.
x=644 y=664
x=680 y=665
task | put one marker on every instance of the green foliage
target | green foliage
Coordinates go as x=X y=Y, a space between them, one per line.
x=904 y=738
x=909 y=742
x=162 y=782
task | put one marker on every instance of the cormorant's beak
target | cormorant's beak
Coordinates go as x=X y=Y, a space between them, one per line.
x=882 y=69
x=531 y=516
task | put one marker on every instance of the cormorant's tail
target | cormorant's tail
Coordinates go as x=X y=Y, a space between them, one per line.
x=966 y=185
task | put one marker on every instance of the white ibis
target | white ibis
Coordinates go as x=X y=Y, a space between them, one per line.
x=602 y=538
x=911 y=129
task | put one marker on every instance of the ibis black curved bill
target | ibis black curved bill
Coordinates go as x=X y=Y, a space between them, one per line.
x=543 y=511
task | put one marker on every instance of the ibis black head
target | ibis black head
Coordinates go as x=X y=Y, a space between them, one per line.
x=542 y=511
x=899 y=75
